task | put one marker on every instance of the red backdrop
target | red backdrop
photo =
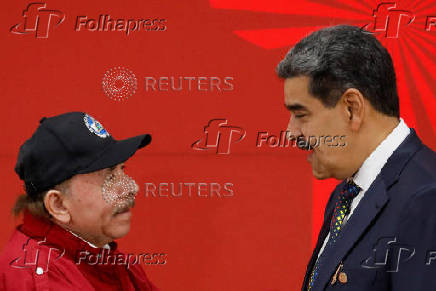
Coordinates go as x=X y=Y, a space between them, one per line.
x=261 y=237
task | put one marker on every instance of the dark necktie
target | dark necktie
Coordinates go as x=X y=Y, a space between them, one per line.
x=342 y=209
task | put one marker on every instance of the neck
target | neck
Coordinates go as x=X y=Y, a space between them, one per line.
x=92 y=241
x=372 y=134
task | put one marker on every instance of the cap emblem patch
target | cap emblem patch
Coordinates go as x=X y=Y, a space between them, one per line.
x=94 y=126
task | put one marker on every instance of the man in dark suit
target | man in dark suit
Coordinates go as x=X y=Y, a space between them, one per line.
x=379 y=230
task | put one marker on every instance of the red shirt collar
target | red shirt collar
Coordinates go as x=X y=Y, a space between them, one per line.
x=54 y=235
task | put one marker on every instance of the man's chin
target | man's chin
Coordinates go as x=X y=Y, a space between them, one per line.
x=320 y=175
x=118 y=229
x=118 y=233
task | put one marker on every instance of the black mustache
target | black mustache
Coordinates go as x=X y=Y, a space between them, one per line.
x=303 y=144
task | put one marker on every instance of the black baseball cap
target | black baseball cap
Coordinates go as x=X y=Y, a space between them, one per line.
x=69 y=144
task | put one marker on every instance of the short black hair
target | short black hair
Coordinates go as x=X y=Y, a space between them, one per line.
x=340 y=57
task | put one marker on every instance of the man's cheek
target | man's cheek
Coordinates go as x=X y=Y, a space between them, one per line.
x=108 y=212
x=103 y=215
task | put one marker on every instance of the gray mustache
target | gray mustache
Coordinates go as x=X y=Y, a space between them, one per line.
x=123 y=206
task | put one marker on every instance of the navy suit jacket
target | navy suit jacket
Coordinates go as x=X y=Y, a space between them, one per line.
x=389 y=243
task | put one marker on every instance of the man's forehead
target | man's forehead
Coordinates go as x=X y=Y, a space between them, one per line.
x=297 y=95
x=296 y=89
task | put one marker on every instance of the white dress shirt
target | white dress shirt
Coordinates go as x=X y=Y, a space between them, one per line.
x=372 y=166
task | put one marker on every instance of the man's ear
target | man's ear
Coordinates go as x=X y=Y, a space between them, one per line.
x=354 y=104
x=54 y=202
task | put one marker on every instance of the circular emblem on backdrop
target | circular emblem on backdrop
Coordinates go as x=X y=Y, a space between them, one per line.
x=119 y=83
x=94 y=126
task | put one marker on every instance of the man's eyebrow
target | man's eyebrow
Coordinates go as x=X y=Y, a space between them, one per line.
x=296 y=106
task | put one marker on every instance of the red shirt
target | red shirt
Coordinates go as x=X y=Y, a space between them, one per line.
x=41 y=255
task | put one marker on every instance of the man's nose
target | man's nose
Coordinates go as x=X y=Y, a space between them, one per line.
x=135 y=188
x=293 y=130
x=131 y=189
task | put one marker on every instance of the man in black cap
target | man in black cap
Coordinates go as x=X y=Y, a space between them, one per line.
x=77 y=202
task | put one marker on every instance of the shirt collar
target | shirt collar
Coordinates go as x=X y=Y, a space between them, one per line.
x=372 y=166
x=52 y=234
x=106 y=246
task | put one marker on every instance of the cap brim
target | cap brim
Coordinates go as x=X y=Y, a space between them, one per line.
x=117 y=153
